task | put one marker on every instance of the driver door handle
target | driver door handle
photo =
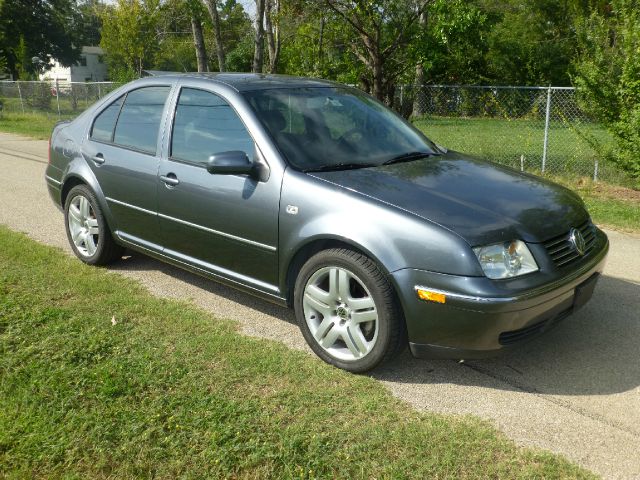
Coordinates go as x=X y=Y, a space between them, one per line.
x=98 y=159
x=170 y=179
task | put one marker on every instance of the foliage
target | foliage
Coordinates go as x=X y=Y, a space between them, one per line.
x=383 y=30
x=37 y=28
x=608 y=75
x=533 y=41
x=236 y=33
x=130 y=37
x=452 y=46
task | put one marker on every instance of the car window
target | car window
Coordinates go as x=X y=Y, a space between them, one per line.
x=206 y=124
x=139 y=120
x=104 y=123
x=319 y=127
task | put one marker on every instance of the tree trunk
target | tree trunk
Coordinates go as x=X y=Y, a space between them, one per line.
x=378 y=77
x=259 y=38
x=212 y=7
x=420 y=97
x=198 y=42
x=320 y=42
x=273 y=33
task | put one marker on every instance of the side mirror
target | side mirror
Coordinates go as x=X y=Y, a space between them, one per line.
x=230 y=163
x=236 y=162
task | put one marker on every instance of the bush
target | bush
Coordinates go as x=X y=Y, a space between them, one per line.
x=608 y=77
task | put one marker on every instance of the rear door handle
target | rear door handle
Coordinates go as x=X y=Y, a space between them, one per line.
x=170 y=179
x=98 y=159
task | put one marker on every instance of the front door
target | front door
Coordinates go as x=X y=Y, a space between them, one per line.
x=122 y=152
x=226 y=224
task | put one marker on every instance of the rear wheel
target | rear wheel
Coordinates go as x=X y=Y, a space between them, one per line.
x=87 y=230
x=347 y=310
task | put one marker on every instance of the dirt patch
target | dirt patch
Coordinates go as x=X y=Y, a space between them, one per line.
x=607 y=190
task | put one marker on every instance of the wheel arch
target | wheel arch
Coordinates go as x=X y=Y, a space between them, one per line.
x=79 y=173
x=316 y=245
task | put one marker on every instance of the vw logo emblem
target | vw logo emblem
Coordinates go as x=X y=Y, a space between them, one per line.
x=577 y=240
x=342 y=312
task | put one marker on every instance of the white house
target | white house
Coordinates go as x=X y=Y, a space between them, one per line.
x=89 y=68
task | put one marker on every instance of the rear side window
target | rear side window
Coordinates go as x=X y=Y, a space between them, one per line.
x=139 y=120
x=206 y=124
x=104 y=123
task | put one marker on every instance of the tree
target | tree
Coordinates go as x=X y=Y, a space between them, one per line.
x=420 y=101
x=533 y=42
x=383 y=29
x=88 y=23
x=608 y=75
x=212 y=7
x=258 y=51
x=37 y=28
x=130 y=37
x=198 y=43
x=272 y=27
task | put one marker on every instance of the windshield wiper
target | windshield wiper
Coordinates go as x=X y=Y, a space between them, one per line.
x=340 y=166
x=409 y=157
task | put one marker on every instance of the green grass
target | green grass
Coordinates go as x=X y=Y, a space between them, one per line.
x=614 y=213
x=37 y=125
x=570 y=150
x=169 y=391
x=611 y=206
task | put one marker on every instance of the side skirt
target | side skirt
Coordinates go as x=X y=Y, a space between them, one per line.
x=265 y=291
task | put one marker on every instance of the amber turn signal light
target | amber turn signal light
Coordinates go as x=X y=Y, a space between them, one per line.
x=431 y=296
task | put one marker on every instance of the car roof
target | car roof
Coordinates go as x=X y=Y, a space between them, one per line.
x=244 y=82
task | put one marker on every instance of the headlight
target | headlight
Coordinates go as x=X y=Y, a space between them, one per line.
x=507 y=259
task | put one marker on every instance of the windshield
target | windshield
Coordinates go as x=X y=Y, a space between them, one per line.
x=333 y=127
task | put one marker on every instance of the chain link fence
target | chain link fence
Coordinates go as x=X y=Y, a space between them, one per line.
x=537 y=129
x=58 y=99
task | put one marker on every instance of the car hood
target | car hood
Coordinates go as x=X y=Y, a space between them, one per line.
x=480 y=201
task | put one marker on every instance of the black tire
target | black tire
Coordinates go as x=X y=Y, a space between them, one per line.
x=106 y=249
x=391 y=336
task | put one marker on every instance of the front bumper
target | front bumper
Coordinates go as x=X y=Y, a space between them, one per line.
x=482 y=317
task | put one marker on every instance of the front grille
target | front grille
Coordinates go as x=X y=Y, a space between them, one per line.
x=562 y=251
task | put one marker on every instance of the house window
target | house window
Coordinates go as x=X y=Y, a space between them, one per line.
x=83 y=61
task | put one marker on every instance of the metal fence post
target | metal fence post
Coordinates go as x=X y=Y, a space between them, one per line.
x=595 y=170
x=58 y=96
x=546 y=130
x=20 y=94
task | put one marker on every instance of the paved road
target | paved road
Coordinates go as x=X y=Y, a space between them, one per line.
x=575 y=391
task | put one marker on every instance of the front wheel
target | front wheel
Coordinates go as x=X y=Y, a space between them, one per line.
x=87 y=230
x=347 y=310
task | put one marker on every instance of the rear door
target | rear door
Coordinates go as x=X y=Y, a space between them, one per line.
x=226 y=224
x=122 y=150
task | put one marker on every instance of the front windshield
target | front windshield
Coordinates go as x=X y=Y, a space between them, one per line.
x=332 y=127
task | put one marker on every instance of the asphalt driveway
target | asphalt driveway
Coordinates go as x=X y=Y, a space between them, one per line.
x=575 y=391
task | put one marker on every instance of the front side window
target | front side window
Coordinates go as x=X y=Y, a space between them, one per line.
x=205 y=124
x=139 y=121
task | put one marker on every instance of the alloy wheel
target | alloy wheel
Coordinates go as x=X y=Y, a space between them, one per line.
x=83 y=226
x=340 y=313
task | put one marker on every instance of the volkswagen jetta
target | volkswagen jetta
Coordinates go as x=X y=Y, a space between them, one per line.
x=314 y=195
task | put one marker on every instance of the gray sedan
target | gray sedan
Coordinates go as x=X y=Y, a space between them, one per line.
x=313 y=195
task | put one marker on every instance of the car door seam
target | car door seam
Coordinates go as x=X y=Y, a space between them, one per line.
x=222 y=234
